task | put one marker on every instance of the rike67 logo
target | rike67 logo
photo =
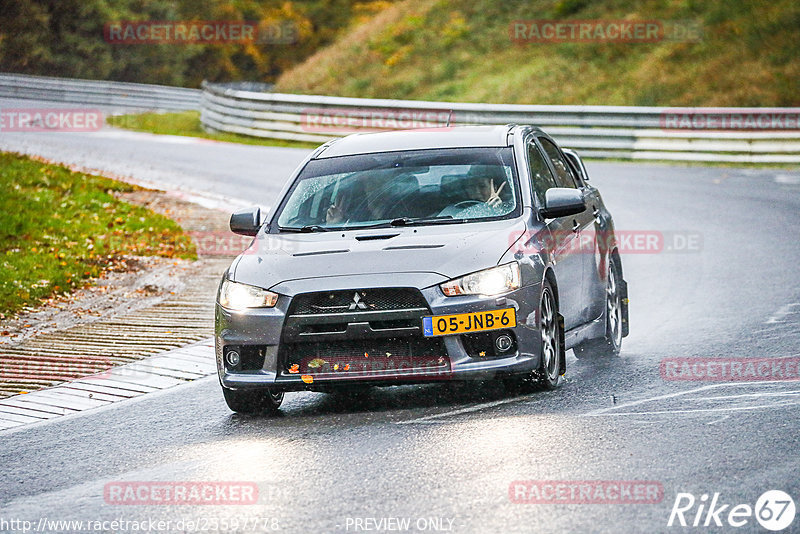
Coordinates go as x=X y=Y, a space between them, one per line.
x=774 y=510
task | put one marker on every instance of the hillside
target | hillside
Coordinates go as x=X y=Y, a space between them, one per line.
x=748 y=55
x=73 y=38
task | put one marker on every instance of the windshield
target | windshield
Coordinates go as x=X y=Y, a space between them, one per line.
x=423 y=186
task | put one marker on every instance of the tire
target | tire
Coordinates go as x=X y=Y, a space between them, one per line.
x=550 y=368
x=251 y=402
x=610 y=344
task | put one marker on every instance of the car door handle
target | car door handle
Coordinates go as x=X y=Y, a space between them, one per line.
x=575 y=226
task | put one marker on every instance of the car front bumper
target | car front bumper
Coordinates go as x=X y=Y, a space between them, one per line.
x=271 y=340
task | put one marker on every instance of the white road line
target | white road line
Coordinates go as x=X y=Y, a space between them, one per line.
x=601 y=411
x=715 y=421
x=783 y=312
x=731 y=397
x=787 y=179
x=705 y=410
x=469 y=409
x=613 y=410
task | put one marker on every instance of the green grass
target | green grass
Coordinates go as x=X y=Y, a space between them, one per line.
x=59 y=228
x=748 y=55
x=187 y=123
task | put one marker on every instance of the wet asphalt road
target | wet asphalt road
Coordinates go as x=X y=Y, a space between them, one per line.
x=443 y=457
x=174 y=162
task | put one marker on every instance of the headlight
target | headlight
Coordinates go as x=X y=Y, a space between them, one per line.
x=494 y=281
x=235 y=296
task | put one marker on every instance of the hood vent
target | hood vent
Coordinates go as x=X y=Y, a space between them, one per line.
x=411 y=247
x=375 y=237
x=316 y=252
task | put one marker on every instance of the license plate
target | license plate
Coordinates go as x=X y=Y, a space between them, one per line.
x=464 y=323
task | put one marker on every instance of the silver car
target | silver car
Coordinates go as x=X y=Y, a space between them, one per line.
x=411 y=256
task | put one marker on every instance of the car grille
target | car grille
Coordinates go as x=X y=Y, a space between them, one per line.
x=355 y=314
x=357 y=301
x=359 y=332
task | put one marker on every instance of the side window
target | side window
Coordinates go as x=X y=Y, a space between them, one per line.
x=577 y=172
x=541 y=177
x=564 y=176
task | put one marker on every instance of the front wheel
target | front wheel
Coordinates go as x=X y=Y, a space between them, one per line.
x=551 y=364
x=253 y=401
x=549 y=374
x=610 y=344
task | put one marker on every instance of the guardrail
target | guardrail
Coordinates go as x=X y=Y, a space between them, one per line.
x=118 y=95
x=624 y=132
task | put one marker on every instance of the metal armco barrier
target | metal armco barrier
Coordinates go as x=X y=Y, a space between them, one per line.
x=753 y=135
x=118 y=95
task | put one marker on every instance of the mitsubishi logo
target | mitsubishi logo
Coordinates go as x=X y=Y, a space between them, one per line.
x=357 y=304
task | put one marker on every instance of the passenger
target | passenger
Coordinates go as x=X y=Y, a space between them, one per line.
x=485 y=183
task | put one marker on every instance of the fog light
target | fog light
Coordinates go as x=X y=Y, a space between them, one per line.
x=233 y=358
x=503 y=342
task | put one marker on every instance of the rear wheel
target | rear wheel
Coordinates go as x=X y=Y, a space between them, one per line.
x=610 y=344
x=253 y=401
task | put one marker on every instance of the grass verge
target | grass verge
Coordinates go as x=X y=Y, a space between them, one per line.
x=59 y=228
x=187 y=123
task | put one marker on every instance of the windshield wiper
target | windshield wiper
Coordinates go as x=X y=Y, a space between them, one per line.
x=404 y=221
x=305 y=229
x=408 y=221
x=399 y=221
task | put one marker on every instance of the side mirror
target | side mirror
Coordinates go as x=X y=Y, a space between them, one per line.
x=246 y=221
x=562 y=201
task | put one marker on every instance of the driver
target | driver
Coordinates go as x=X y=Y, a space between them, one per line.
x=371 y=197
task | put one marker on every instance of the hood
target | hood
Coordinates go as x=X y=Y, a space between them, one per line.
x=448 y=250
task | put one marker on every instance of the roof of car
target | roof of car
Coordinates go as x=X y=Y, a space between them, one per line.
x=445 y=137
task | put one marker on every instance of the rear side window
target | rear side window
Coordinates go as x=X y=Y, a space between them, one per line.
x=577 y=172
x=564 y=176
x=541 y=177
